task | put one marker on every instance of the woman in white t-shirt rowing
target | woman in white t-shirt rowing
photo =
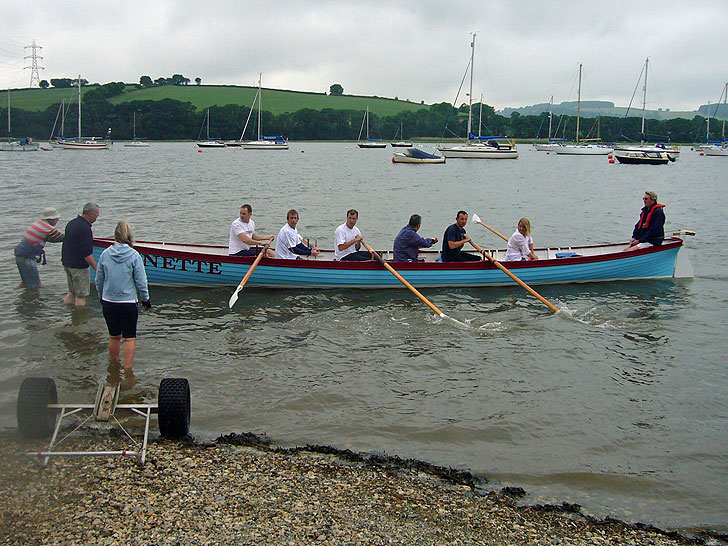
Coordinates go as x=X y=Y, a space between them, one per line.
x=520 y=245
x=244 y=241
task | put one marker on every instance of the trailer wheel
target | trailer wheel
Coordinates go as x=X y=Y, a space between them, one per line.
x=174 y=407
x=35 y=419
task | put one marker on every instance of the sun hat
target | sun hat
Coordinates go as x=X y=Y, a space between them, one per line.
x=50 y=213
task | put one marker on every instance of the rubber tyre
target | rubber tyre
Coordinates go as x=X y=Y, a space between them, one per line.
x=174 y=407
x=35 y=419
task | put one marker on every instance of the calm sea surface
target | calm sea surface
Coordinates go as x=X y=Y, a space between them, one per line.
x=619 y=405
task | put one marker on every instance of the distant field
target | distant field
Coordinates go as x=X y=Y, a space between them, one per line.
x=203 y=96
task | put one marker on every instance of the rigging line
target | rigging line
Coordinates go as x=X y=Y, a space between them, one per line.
x=447 y=120
x=636 y=87
x=717 y=105
x=481 y=61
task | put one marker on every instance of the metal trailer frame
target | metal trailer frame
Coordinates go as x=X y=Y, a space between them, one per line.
x=38 y=401
x=103 y=410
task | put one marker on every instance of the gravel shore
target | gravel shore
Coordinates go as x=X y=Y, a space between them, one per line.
x=238 y=490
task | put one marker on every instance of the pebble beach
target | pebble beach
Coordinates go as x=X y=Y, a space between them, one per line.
x=241 y=490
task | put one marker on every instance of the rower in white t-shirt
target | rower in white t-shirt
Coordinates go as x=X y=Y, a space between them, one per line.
x=288 y=243
x=347 y=240
x=243 y=239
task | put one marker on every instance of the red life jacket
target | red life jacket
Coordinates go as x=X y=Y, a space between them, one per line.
x=645 y=220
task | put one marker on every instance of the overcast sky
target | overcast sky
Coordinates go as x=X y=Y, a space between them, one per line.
x=418 y=50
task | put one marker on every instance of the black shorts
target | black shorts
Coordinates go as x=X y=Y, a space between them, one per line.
x=250 y=252
x=121 y=318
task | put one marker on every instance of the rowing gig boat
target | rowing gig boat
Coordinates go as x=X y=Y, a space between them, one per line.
x=174 y=264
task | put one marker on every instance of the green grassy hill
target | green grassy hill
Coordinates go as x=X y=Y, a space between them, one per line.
x=202 y=96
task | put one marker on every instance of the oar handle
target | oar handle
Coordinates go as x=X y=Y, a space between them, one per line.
x=519 y=281
x=404 y=281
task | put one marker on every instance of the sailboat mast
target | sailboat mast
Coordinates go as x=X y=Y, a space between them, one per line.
x=260 y=101
x=8 y=111
x=79 y=108
x=480 y=114
x=470 y=94
x=707 y=127
x=63 y=116
x=133 y=125
x=725 y=113
x=578 y=105
x=644 y=99
x=551 y=113
x=367 y=122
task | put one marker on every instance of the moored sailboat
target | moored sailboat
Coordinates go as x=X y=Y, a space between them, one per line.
x=208 y=142
x=672 y=151
x=718 y=148
x=400 y=143
x=80 y=143
x=369 y=142
x=136 y=142
x=263 y=142
x=579 y=146
x=480 y=147
x=551 y=143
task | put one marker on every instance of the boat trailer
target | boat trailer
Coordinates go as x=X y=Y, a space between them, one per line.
x=40 y=415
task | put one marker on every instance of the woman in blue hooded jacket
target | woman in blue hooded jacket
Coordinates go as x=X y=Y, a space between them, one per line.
x=119 y=277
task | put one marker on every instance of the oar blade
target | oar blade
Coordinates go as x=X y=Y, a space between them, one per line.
x=234 y=297
x=476 y=218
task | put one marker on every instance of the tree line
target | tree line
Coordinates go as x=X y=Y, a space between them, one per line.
x=169 y=119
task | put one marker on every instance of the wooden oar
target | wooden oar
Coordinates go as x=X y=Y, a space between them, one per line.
x=234 y=297
x=512 y=276
x=476 y=219
x=408 y=285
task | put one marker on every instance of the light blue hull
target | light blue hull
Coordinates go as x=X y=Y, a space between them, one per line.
x=179 y=265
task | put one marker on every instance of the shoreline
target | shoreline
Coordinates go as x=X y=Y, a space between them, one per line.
x=241 y=489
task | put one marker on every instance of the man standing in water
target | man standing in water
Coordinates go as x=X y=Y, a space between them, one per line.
x=77 y=255
x=650 y=228
x=31 y=250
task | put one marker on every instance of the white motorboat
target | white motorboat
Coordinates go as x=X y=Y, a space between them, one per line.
x=488 y=149
x=643 y=157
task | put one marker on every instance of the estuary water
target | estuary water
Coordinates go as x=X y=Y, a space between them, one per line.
x=618 y=404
